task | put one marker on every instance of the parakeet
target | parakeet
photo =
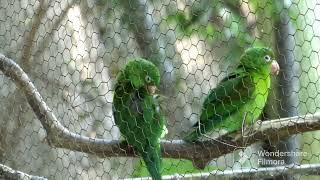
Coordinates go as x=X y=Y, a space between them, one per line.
x=137 y=112
x=240 y=97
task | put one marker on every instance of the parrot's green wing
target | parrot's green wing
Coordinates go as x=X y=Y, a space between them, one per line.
x=227 y=98
x=231 y=93
x=142 y=124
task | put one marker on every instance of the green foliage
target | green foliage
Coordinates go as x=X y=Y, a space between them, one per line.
x=188 y=24
x=171 y=167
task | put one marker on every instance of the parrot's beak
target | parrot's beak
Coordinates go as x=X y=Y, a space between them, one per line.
x=275 y=68
x=152 y=89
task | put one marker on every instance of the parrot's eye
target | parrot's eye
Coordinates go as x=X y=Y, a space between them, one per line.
x=148 y=79
x=267 y=58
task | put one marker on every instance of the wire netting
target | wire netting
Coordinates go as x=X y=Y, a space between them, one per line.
x=73 y=51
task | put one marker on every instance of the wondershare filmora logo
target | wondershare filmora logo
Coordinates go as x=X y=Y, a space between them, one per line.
x=276 y=158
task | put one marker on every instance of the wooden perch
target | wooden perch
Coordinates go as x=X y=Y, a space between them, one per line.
x=200 y=153
x=11 y=174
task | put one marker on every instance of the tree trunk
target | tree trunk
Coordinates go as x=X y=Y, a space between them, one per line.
x=286 y=95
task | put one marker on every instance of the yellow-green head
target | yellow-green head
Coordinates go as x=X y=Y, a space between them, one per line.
x=260 y=59
x=142 y=73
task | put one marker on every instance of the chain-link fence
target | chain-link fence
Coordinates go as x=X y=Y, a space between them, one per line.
x=57 y=112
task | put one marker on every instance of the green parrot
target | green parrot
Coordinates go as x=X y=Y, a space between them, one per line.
x=137 y=112
x=240 y=97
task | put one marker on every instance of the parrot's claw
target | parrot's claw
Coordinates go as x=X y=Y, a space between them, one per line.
x=248 y=130
x=258 y=123
x=251 y=129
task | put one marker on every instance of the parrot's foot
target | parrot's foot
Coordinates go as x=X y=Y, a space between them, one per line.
x=248 y=131
x=258 y=123
x=226 y=140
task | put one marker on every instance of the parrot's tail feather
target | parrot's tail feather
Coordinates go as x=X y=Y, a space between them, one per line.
x=151 y=157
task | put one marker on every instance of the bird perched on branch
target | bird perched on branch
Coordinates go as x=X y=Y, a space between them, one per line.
x=240 y=97
x=137 y=111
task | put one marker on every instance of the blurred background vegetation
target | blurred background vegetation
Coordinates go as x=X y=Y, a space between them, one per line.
x=73 y=50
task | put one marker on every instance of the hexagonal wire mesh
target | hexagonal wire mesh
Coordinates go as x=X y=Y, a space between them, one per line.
x=73 y=51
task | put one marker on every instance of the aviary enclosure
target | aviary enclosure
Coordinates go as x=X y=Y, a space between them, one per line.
x=59 y=63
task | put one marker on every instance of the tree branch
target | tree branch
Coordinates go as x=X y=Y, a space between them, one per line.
x=254 y=173
x=11 y=174
x=30 y=35
x=200 y=152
